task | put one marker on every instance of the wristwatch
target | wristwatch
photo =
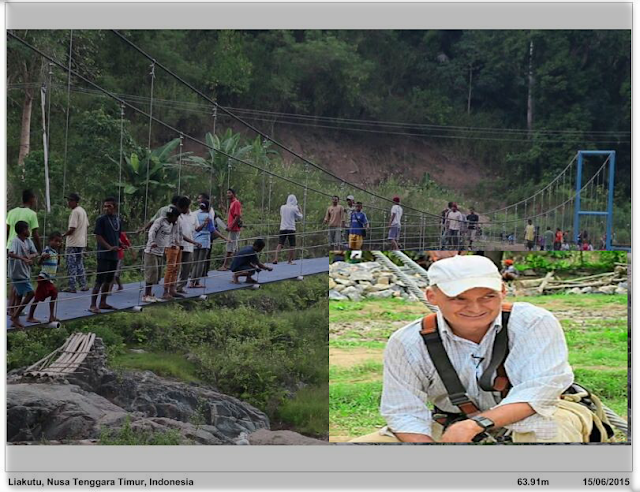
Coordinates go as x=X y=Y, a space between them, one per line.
x=483 y=422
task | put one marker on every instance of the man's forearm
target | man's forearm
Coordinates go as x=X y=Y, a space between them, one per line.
x=103 y=242
x=508 y=414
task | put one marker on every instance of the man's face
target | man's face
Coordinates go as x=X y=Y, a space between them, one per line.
x=172 y=218
x=349 y=202
x=474 y=309
x=25 y=233
x=359 y=207
x=454 y=208
x=72 y=203
x=334 y=200
x=109 y=208
x=56 y=242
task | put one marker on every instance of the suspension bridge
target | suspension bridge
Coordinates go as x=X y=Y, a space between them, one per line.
x=578 y=199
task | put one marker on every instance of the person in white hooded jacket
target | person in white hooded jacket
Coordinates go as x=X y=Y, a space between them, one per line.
x=289 y=213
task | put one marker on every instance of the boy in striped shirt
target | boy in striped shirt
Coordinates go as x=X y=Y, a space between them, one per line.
x=50 y=260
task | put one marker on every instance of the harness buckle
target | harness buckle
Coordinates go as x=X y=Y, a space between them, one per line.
x=459 y=398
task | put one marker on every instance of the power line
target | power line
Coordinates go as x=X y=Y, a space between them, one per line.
x=262 y=115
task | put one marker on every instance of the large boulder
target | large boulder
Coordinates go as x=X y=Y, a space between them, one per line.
x=153 y=396
x=57 y=412
x=95 y=397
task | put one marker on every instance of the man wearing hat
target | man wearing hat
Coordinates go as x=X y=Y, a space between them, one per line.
x=468 y=292
x=76 y=236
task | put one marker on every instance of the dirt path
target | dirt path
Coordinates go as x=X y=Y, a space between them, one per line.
x=350 y=357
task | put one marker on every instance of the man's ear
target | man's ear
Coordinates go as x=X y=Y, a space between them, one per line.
x=430 y=295
x=504 y=290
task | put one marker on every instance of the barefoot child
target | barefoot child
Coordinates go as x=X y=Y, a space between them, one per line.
x=50 y=260
x=246 y=263
x=21 y=253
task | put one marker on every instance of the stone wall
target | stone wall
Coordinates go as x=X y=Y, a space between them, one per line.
x=368 y=280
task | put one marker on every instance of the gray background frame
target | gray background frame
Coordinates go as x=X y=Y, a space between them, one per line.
x=363 y=461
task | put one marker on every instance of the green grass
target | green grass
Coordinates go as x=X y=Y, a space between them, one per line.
x=572 y=300
x=307 y=411
x=126 y=436
x=386 y=310
x=373 y=344
x=353 y=408
x=368 y=369
x=162 y=364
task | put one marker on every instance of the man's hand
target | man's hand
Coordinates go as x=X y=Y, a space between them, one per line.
x=463 y=431
x=45 y=256
x=114 y=248
x=27 y=260
x=153 y=245
x=198 y=245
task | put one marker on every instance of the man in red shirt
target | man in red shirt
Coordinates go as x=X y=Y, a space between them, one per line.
x=234 y=225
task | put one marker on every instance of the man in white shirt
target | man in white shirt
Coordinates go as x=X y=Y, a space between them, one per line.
x=187 y=221
x=289 y=213
x=455 y=221
x=76 y=235
x=523 y=398
x=394 y=223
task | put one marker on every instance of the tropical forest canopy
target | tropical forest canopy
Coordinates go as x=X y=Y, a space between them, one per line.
x=519 y=102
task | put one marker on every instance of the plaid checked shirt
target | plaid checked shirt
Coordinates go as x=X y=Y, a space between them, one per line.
x=537 y=366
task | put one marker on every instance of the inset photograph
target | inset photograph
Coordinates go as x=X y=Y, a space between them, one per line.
x=494 y=347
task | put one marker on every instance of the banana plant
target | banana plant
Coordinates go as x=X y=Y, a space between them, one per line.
x=220 y=162
x=147 y=177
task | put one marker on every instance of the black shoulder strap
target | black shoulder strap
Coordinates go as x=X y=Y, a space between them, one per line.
x=456 y=391
x=498 y=356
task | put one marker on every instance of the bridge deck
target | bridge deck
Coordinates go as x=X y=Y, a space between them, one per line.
x=76 y=306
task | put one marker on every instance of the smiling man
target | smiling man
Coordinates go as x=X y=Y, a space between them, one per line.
x=489 y=370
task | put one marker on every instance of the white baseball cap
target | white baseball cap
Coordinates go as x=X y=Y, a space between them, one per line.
x=457 y=274
x=350 y=197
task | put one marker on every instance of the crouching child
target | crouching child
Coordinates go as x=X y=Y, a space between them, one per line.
x=246 y=263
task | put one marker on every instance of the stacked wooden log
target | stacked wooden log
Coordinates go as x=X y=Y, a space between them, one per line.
x=603 y=283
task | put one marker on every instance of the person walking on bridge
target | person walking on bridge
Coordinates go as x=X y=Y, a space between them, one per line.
x=107 y=231
x=234 y=226
x=76 y=236
x=455 y=221
x=289 y=213
x=395 y=222
x=472 y=224
x=530 y=235
x=334 y=218
x=358 y=228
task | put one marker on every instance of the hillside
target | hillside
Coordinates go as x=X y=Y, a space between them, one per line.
x=367 y=160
